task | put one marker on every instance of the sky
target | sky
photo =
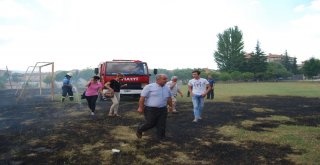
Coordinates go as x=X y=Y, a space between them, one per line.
x=168 y=34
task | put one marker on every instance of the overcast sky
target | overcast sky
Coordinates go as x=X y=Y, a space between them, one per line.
x=170 y=34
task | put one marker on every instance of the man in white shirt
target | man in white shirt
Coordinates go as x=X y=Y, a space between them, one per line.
x=198 y=88
x=175 y=89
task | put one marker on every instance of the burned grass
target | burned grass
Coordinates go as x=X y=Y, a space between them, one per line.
x=248 y=130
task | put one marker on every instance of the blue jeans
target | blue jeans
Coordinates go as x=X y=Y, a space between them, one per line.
x=198 y=103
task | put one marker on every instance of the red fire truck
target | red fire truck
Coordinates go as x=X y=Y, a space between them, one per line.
x=136 y=74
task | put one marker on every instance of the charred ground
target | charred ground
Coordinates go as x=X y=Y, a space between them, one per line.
x=36 y=130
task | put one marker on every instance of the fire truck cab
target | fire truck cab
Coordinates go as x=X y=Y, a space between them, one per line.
x=136 y=74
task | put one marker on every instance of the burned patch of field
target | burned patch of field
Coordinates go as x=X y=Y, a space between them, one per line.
x=248 y=130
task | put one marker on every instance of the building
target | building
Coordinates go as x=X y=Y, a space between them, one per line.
x=270 y=57
x=278 y=58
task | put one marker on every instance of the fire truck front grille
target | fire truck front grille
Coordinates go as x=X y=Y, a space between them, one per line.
x=132 y=86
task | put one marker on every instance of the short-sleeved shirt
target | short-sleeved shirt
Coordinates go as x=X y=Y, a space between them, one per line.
x=156 y=95
x=93 y=89
x=174 y=90
x=66 y=81
x=115 y=85
x=211 y=82
x=198 y=86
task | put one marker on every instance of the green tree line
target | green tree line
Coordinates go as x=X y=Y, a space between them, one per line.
x=231 y=59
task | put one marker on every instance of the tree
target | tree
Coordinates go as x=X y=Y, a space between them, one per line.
x=3 y=80
x=183 y=74
x=230 y=55
x=311 y=67
x=285 y=61
x=295 y=66
x=60 y=75
x=225 y=76
x=247 y=76
x=47 y=79
x=276 y=70
x=86 y=73
x=17 y=77
x=215 y=75
x=165 y=71
x=257 y=63
x=236 y=75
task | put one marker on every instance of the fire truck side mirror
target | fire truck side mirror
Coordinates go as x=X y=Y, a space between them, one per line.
x=155 y=71
x=96 y=71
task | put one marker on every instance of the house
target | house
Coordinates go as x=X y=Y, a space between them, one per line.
x=270 y=57
x=277 y=58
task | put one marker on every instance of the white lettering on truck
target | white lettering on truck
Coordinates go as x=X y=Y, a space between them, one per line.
x=131 y=79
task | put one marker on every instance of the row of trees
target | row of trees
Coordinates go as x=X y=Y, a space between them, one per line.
x=16 y=77
x=84 y=74
x=230 y=57
x=273 y=72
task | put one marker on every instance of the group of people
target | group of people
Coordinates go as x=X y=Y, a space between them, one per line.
x=156 y=99
x=93 y=88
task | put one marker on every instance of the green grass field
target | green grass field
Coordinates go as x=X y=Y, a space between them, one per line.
x=269 y=128
x=301 y=138
x=224 y=91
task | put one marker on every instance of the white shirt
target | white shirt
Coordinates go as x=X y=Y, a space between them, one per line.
x=198 y=86
x=174 y=90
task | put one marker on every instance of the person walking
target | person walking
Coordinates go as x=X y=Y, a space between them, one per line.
x=67 y=87
x=153 y=103
x=198 y=88
x=94 y=87
x=211 y=81
x=114 y=86
x=174 y=89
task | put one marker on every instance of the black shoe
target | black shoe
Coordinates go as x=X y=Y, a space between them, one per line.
x=163 y=139
x=139 y=135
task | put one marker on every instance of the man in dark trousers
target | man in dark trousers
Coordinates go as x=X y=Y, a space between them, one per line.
x=67 y=87
x=153 y=103
x=211 y=81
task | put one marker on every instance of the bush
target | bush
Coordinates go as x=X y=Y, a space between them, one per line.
x=225 y=76
x=236 y=76
x=247 y=76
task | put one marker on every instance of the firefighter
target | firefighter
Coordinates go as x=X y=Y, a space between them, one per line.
x=67 y=87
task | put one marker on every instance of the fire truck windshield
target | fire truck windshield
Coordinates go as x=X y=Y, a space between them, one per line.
x=126 y=68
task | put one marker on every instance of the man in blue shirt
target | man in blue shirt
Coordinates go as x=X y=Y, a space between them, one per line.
x=153 y=103
x=67 y=87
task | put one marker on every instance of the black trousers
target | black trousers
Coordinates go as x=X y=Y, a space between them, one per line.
x=92 y=102
x=155 y=117
x=210 y=94
x=67 y=90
